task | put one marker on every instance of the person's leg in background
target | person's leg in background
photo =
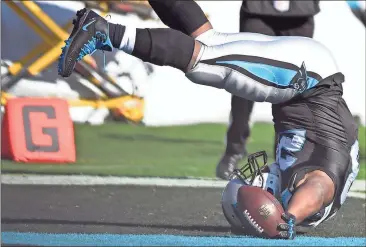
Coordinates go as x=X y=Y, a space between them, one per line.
x=303 y=27
x=239 y=129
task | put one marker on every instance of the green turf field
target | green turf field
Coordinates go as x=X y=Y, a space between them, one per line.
x=120 y=149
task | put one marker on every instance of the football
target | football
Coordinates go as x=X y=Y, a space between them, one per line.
x=260 y=210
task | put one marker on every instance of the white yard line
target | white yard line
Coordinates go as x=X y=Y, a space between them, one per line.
x=358 y=185
x=357 y=195
x=98 y=180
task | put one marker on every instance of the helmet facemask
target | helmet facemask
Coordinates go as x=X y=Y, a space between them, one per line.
x=257 y=164
x=259 y=174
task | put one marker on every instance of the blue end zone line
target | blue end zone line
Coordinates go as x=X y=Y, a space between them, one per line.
x=76 y=239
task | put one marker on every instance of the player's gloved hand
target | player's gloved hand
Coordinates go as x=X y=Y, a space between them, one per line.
x=287 y=230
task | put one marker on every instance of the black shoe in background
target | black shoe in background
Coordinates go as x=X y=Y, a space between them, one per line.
x=227 y=164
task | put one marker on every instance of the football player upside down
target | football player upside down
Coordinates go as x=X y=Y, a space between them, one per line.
x=317 y=152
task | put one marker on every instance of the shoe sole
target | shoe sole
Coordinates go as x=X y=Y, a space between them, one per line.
x=219 y=174
x=81 y=22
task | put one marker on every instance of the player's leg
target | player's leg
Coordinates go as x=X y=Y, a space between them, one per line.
x=257 y=71
x=239 y=130
x=92 y=32
x=158 y=46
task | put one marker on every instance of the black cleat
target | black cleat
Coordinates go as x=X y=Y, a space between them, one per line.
x=227 y=165
x=90 y=33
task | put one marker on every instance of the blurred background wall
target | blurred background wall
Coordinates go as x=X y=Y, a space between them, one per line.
x=170 y=99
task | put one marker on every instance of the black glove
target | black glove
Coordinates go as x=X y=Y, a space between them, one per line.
x=287 y=230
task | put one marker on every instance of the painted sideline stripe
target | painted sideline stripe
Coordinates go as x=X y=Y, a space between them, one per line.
x=358 y=185
x=110 y=180
x=161 y=182
x=98 y=180
x=357 y=195
x=75 y=239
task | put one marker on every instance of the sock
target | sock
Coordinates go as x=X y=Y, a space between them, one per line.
x=160 y=46
x=164 y=47
x=142 y=44
x=122 y=37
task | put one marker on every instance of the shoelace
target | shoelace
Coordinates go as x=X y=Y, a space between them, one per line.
x=89 y=48
x=92 y=46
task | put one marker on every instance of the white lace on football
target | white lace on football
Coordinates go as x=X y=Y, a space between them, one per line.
x=252 y=221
